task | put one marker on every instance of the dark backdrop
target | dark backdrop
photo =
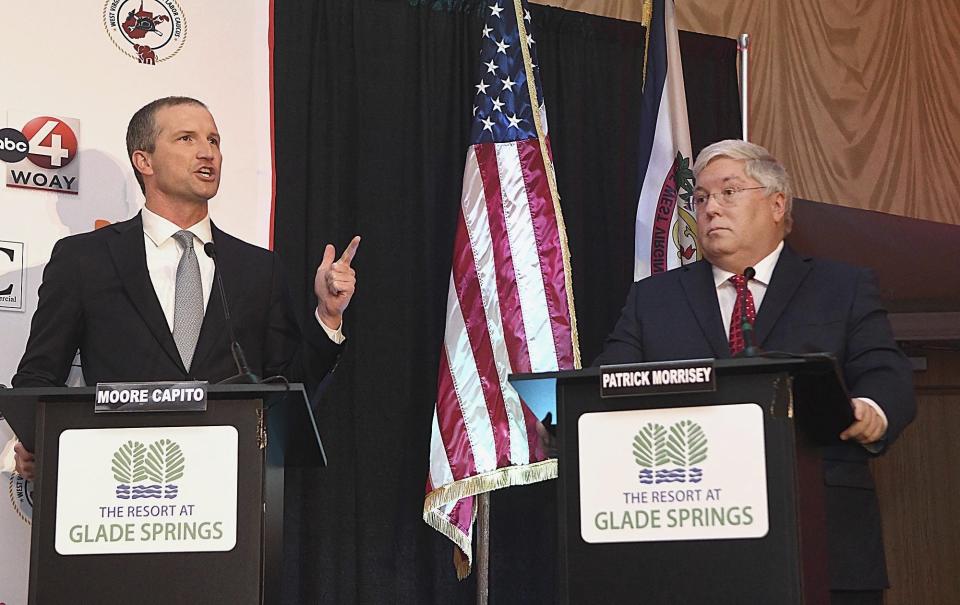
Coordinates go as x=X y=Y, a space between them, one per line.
x=373 y=100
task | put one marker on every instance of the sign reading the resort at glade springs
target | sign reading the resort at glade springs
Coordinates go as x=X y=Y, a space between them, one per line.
x=695 y=473
x=139 y=490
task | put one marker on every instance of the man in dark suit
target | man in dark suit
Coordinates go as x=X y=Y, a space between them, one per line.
x=800 y=305
x=138 y=298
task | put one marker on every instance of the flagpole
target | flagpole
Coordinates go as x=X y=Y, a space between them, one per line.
x=743 y=46
x=483 y=548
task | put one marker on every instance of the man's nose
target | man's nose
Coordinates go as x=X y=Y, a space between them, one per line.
x=206 y=150
x=711 y=207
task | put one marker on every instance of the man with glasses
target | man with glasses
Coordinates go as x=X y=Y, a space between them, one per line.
x=799 y=305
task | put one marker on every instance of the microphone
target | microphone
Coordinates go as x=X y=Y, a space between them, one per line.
x=749 y=348
x=243 y=375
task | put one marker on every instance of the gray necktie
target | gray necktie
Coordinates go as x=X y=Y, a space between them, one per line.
x=188 y=305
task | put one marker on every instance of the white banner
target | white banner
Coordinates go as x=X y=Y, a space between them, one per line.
x=74 y=73
x=696 y=473
x=167 y=489
x=77 y=67
x=16 y=510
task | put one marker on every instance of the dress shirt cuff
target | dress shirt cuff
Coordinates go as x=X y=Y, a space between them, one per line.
x=877 y=446
x=337 y=335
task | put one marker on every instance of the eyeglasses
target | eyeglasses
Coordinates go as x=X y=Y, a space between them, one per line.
x=726 y=197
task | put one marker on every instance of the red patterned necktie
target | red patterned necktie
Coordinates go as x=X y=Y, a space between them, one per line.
x=744 y=297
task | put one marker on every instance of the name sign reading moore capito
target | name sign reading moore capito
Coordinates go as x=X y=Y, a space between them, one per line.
x=151 y=397
x=688 y=376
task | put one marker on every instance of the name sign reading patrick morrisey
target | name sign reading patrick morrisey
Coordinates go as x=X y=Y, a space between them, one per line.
x=151 y=397
x=693 y=375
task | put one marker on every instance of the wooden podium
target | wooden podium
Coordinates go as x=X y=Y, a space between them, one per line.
x=275 y=428
x=802 y=403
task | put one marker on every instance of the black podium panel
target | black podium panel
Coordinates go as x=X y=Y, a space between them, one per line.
x=274 y=427
x=787 y=566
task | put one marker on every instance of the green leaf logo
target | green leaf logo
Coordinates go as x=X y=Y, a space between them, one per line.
x=649 y=446
x=164 y=463
x=687 y=444
x=147 y=472
x=670 y=456
x=127 y=463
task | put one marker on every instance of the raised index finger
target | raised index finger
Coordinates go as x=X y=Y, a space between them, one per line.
x=348 y=254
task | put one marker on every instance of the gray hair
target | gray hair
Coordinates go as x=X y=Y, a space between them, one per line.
x=759 y=165
x=142 y=129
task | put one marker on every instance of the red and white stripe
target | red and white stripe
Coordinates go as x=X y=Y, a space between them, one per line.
x=507 y=312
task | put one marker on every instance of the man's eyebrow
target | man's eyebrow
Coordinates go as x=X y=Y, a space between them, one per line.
x=732 y=177
x=178 y=133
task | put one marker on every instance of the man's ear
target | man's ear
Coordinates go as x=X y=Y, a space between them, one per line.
x=142 y=162
x=779 y=206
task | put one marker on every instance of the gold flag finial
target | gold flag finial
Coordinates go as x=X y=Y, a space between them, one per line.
x=645 y=18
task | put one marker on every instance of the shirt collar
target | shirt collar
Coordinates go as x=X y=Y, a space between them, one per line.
x=764 y=269
x=159 y=229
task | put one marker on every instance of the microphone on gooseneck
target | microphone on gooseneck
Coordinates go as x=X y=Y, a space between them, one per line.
x=244 y=375
x=749 y=348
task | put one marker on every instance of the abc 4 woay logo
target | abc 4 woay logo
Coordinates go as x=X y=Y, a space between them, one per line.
x=42 y=154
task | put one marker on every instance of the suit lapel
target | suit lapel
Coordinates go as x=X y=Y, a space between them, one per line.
x=213 y=332
x=697 y=283
x=130 y=259
x=787 y=276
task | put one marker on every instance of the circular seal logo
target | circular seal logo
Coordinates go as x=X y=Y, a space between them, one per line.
x=21 y=496
x=148 y=31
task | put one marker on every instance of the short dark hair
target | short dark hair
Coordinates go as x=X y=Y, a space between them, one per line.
x=142 y=129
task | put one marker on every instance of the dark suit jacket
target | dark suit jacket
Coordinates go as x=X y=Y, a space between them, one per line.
x=97 y=296
x=811 y=305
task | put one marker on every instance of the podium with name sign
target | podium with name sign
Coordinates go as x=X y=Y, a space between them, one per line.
x=179 y=501
x=696 y=481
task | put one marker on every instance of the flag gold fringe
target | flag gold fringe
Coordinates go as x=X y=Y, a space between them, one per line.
x=552 y=179
x=471 y=486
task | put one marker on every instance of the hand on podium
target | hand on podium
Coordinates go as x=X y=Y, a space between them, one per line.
x=24 y=461
x=869 y=426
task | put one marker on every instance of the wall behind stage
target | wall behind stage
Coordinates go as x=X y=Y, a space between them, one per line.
x=859 y=99
x=75 y=66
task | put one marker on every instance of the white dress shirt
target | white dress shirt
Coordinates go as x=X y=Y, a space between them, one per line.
x=163 y=257
x=727 y=297
x=727 y=292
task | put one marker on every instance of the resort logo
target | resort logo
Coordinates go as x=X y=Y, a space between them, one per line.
x=149 y=489
x=147 y=472
x=670 y=456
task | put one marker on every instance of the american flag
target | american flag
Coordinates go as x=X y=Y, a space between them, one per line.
x=666 y=226
x=510 y=300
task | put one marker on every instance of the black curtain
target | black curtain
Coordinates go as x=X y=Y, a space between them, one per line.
x=372 y=113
